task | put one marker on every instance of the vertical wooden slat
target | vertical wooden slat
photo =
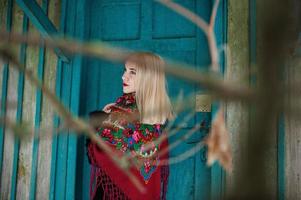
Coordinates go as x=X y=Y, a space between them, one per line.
x=62 y=142
x=16 y=158
x=54 y=157
x=61 y=166
x=293 y=137
x=237 y=70
x=270 y=142
x=47 y=117
x=53 y=171
x=35 y=150
x=62 y=153
x=47 y=123
x=6 y=21
x=79 y=32
x=40 y=21
x=4 y=169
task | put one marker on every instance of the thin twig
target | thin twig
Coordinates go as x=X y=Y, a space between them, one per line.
x=207 y=80
x=213 y=15
x=75 y=122
x=177 y=142
x=199 y=22
x=212 y=39
x=165 y=135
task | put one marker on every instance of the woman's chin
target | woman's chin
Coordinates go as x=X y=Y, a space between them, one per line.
x=127 y=91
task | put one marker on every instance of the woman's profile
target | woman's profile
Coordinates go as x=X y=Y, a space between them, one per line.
x=135 y=120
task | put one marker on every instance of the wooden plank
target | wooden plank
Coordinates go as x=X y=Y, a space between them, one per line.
x=237 y=70
x=78 y=32
x=41 y=22
x=293 y=141
x=91 y=102
x=56 y=124
x=63 y=139
x=47 y=120
x=20 y=18
x=58 y=89
x=44 y=155
x=61 y=165
x=28 y=113
x=36 y=142
x=8 y=95
x=270 y=149
x=8 y=152
x=6 y=20
x=293 y=159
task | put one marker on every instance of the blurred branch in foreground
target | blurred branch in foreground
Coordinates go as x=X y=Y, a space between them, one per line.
x=211 y=81
x=79 y=125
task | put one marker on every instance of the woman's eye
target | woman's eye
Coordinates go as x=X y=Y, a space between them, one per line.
x=133 y=72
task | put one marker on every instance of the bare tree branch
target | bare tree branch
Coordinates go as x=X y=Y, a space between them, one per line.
x=199 y=22
x=79 y=124
x=207 y=80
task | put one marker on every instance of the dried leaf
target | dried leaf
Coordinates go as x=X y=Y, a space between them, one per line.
x=218 y=143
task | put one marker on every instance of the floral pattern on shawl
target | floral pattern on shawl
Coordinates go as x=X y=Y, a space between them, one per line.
x=123 y=130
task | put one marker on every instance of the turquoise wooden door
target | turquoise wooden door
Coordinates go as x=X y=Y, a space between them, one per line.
x=147 y=25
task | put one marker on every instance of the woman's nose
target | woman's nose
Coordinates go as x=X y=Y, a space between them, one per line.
x=123 y=76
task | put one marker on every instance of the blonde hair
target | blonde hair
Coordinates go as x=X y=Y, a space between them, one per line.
x=151 y=96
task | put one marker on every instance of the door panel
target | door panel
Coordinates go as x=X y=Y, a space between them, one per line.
x=149 y=26
x=120 y=21
x=168 y=24
x=181 y=180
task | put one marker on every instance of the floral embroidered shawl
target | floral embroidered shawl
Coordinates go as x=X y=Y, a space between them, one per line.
x=126 y=135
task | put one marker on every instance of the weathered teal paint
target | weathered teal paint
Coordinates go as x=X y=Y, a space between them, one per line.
x=150 y=26
x=202 y=181
x=63 y=138
x=5 y=86
x=58 y=91
x=62 y=148
x=78 y=31
x=19 y=112
x=56 y=124
x=185 y=44
x=35 y=150
x=40 y=20
x=65 y=166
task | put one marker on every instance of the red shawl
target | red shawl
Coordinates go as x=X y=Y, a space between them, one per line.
x=128 y=137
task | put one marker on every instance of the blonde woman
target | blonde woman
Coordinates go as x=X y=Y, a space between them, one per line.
x=136 y=119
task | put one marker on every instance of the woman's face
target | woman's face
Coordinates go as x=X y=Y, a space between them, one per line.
x=129 y=77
